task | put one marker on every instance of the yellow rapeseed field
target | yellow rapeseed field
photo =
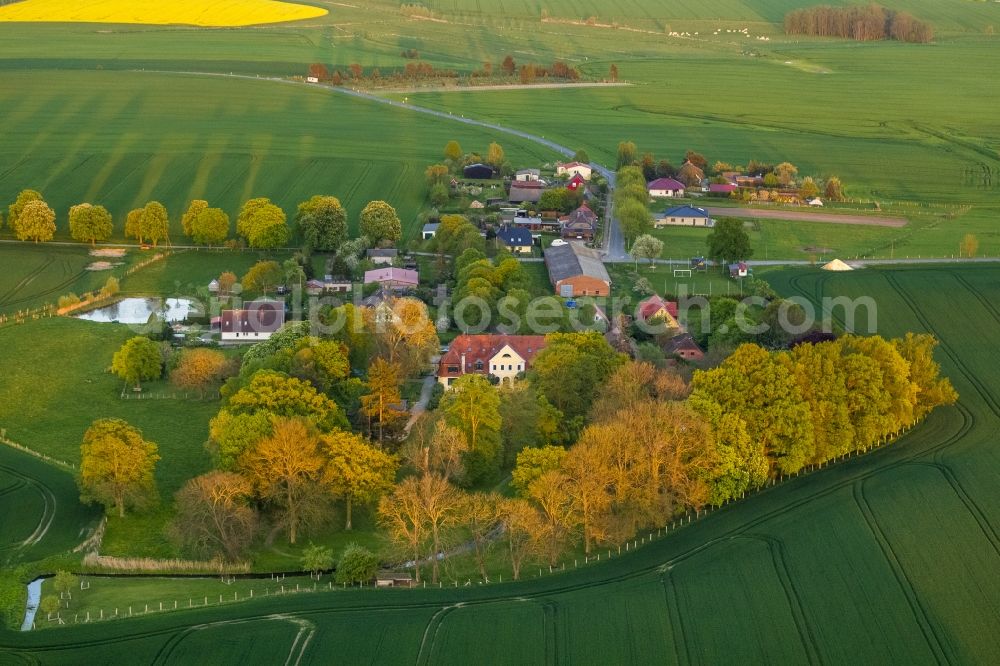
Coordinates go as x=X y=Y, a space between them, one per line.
x=159 y=12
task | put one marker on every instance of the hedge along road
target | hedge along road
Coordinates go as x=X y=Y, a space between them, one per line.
x=614 y=240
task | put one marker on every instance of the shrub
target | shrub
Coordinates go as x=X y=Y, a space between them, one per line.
x=357 y=565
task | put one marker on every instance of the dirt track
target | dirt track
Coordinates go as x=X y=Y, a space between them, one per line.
x=829 y=218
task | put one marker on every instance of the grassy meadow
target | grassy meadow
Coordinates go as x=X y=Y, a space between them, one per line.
x=904 y=537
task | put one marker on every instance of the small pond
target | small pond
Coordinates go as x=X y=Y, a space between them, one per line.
x=138 y=310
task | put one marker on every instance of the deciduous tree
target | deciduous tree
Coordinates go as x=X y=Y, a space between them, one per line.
x=24 y=197
x=200 y=369
x=116 y=466
x=285 y=470
x=214 y=515
x=154 y=223
x=89 y=224
x=322 y=221
x=356 y=471
x=357 y=564
x=647 y=247
x=35 y=222
x=383 y=395
x=524 y=530
x=401 y=515
x=278 y=394
x=453 y=151
x=262 y=276
x=136 y=360
x=729 y=242
x=628 y=154
x=262 y=224
x=379 y=222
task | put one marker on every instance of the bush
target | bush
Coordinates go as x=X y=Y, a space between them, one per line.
x=13 y=597
x=357 y=565
x=68 y=300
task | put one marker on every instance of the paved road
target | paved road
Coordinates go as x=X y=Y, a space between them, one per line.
x=614 y=241
x=805 y=216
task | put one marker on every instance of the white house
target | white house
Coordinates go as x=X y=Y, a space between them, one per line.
x=256 y=321
x=665 y=188
x=525 y=175
x=684 y=216
x=573 y=169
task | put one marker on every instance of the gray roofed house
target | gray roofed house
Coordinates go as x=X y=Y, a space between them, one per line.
x=430 y=230
x=575 y=270
x=382 y=256
x=529 y=191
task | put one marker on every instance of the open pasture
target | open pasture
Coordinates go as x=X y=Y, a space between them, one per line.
x=159 y=12
x=888 y=557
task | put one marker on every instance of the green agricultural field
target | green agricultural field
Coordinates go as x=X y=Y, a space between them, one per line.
x=884 y=558
x=35 y=275
x=121 y=139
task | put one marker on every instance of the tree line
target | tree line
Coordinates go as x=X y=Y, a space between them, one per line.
x=320 y=222
x=859 y=22
x=507 y=70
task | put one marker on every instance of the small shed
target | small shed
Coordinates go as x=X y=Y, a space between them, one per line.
x=429 y=230
x=382 y=256
x=394 y=580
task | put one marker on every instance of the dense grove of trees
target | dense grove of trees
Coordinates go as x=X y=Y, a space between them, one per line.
x=859 y=22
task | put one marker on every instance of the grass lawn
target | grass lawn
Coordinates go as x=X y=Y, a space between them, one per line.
x=57 y=384
x=185 y=272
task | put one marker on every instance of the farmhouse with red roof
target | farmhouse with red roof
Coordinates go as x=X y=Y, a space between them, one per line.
x=502 y=356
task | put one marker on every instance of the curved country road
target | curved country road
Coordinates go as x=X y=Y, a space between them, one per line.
x=614 y=241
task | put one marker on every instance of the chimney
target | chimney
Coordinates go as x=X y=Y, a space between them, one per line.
x=463 y=364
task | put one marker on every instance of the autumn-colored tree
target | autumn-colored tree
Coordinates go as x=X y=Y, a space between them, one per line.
x=820 y=374
x=440 y=502
x=453 y=151
x=969 y=246
x=214 y=515
x=786 y=172
x=437 y=174
x=401 y=514
x=356 y=70
x=356 y=471
x=551 y=492
x=524 y=530
x=136 y=360
x=226 y=282
x=285 y=470
x=495 y=155
x=35 y=222
x=834 y=189
x=322 y=221
x=199 y=369
x=587 y=488
x=404 y=334
x=808 y=189
x=436 y=447
x=319 y=71
x=635 y=382
x=508 y=65
x=262 y=276
x=262 y=224
x=383 y=395
x=613 y=73
x=379 y=222
x=480 y=516
x=89 y=224
x=116 y=466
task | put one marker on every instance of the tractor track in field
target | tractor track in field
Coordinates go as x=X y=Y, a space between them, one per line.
x=49 y=504
x=26 y=280
x=970 y=504
x=676 y=618
x=550 y=613
x=795 y=605
x=426 y=649
x=920 y=614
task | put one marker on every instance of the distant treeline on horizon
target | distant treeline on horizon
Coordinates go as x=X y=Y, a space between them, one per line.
x=859 y=22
